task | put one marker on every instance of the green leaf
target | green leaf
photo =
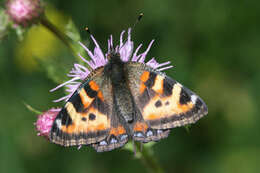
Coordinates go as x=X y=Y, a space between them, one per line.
x=71 y=31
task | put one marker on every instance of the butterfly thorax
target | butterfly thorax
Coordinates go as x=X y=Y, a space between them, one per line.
x=123 y=100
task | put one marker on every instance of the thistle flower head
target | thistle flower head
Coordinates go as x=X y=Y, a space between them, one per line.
x=45 y=121
x=98 y=59
x=24 y=12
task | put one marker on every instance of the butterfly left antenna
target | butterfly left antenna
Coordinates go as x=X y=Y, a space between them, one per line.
x=138 y=20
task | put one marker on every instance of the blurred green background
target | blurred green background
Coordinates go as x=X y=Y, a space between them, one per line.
x=214 y=46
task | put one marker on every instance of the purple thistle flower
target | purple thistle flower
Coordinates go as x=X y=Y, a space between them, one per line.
x=24 y=12
x=45 y=121
x=125 y=49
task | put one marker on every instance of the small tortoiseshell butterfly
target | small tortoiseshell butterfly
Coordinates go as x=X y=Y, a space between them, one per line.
x=124 y=101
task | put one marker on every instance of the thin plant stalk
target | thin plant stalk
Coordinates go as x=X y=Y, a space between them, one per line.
x=58 y=33
x=148 y=159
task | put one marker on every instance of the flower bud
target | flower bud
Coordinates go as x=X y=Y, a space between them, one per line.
x=24 y=12
x=45 y=121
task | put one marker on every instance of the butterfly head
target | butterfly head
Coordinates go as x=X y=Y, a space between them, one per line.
x=113 y=56
x=114 y=67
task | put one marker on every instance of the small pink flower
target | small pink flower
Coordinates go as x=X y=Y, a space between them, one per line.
x=45 y=121
x=98 y=59
x=24 y=12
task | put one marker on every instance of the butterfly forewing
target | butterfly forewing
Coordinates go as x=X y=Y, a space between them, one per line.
x=163 y=102
x=87 y=115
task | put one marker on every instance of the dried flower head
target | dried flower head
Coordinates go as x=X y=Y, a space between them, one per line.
x=24 y=12
x=45 y=121
x=126 y=51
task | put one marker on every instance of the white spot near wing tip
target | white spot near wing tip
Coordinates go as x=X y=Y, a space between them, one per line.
x=58 y=122
x=180 y=85
x=194 y=99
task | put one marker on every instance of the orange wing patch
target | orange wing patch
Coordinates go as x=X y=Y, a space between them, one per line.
x=139 y=126
x=117 y=131
x=100 y=95
x=93 y=85
x=161 y=107
x=91 y=121
x=145 y=76
x=157 y=86
x=142 y=88
x=70 y=129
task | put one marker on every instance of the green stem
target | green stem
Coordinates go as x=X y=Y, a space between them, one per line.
x=149 y=159
x=56 y=31
x=32 y=109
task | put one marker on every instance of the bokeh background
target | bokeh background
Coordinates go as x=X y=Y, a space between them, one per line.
x=214 y=46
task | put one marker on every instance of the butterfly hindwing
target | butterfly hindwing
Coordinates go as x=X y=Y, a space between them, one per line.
x=117 y=137
x=163 y=102
x=143 y=132
x=87 y=116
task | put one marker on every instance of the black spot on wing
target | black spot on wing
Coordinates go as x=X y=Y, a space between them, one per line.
x=92 y=116
x=184 y=96
x=150 y=82
x=168 y=84
x=158 y=103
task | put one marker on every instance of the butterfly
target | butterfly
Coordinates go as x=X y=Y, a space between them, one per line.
x=124 y=101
